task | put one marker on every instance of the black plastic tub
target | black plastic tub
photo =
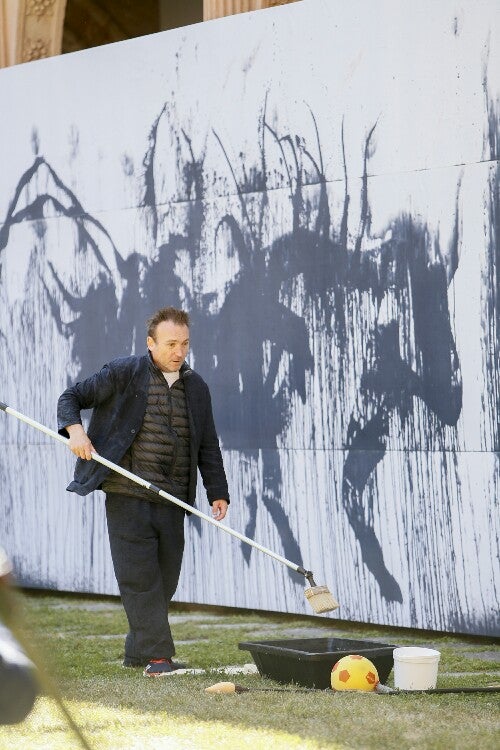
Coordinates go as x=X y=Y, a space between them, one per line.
x=309 y=661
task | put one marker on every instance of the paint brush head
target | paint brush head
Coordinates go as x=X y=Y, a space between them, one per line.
x=320 y=599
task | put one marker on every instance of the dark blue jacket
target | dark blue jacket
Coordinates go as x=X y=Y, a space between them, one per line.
x=118 y=396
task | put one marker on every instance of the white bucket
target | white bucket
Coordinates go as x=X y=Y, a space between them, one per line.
x=415 y=668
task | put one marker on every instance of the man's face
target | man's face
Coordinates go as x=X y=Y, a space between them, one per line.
x=169 y=346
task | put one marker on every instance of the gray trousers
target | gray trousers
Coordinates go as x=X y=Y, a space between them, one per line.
x=147 y=544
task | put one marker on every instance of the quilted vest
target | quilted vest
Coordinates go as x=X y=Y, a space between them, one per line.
x=160 y=452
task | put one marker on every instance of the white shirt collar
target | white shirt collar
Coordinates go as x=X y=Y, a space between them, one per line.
x=171 y=377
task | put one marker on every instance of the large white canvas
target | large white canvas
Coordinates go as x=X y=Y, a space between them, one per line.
x=221 y=167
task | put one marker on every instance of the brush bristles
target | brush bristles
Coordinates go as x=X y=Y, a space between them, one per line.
x=320 y=599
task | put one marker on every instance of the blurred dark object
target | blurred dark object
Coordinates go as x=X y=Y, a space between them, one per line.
x=18 y=682
x=21 y=670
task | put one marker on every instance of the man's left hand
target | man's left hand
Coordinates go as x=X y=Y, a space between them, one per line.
x=219 y=509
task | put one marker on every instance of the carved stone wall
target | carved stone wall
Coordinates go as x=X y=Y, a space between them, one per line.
x=30 y=30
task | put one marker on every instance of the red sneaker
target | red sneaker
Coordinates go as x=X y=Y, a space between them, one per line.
x=161 y=667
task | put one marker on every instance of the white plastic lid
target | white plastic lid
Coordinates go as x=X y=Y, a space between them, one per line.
x=415 y=653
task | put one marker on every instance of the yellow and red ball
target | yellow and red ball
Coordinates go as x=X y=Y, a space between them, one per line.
x=354 y=672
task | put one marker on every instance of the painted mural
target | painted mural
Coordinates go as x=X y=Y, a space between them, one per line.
x=335 y=240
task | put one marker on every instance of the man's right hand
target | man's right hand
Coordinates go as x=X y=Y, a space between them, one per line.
x=79 y=442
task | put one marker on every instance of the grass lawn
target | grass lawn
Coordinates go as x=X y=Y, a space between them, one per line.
x=81 y=640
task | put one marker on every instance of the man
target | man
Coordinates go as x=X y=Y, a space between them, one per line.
x=152 y=415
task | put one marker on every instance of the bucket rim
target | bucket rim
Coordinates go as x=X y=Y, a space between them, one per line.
x=416 y=654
